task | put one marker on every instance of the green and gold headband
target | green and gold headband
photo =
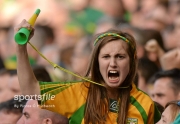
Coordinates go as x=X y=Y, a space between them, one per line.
x=111 y=34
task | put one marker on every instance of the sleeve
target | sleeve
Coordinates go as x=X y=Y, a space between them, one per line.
x=62 y=97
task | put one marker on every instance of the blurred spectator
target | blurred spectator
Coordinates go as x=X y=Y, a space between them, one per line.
x=156 y=17
x=151 y=14
x=115 y=8
x=5 y=44
x=9 y=84
x=51 y=52
x=1 y=63
x=170 y=113
x=177 y=30
x=172 y=34
x=146 y=69
x=3 y=51
x=41 y=74
x=81 y=54
x=154 y=45
x=166 y=86
x=105 y=23
x=33 y=114
x=169 y=37
x=130 y=7
x=11 y=111
x=170 y=59
x=173 y=10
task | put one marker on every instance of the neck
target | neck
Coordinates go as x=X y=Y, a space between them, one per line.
x=113 y=93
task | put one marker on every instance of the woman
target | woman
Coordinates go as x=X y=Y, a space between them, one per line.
x=170 y=113
x=111 y=97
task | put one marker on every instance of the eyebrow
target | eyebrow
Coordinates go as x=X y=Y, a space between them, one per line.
x=124 y=54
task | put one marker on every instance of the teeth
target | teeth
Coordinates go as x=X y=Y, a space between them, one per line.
x=113 y=71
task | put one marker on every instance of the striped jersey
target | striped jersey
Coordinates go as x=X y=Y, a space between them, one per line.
x=69 y=99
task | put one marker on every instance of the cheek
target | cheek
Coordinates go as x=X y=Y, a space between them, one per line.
x=125 y=70
x=125 y=66
x=102 y=66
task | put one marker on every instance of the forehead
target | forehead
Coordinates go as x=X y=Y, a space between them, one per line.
x=164 y=82
x=115 y=45
x=31 y=106
x=163 y=85
x=167 y=112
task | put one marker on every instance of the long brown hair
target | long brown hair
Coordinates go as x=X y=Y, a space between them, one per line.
x=97 y=105
x=175 y=108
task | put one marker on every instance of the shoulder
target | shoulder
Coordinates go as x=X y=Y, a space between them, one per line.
x=68 y=87
x=64 y=83
x=141 y=100
x=140 y=96
x=141 y=106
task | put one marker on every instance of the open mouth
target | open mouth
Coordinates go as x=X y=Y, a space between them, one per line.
x=113 y=76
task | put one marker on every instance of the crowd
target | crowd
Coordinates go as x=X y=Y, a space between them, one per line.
x=65 y=32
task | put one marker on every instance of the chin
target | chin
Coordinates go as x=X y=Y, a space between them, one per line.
x=113 y=85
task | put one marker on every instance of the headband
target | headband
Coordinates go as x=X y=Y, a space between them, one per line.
x=110 y=34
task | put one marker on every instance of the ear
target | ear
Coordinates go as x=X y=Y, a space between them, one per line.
x=47 y=121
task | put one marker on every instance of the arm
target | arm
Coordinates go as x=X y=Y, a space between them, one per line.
x=28 y=83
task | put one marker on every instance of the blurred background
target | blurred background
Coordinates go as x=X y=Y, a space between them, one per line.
x=65 y=29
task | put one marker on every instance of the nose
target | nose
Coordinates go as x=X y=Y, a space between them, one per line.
x=154 y=98
x=113 y=63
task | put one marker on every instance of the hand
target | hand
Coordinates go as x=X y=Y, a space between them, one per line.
x=171 y=59
x=153 y=47
x=24 y=24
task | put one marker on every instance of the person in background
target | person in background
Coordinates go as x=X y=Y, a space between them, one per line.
x=166 y=60
x=11 y=111
x=9 y=84
x=166 y=86
x=81 y=56
x=154 y=46
x=144 y=75
x=41 y=73
x=170 y=113
x=33 y=114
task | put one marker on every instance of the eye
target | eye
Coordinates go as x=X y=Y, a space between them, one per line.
x=26 y=115
x=120 y=56
x=164 y=121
